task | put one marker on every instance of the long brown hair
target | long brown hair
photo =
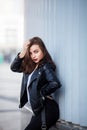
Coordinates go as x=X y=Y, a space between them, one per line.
x=28 y=65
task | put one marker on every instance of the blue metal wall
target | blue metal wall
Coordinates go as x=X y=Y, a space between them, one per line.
x=62 y=24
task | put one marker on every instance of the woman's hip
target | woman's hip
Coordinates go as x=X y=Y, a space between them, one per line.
x=51 y=107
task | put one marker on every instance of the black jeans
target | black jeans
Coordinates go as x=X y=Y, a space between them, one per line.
x=52 y=115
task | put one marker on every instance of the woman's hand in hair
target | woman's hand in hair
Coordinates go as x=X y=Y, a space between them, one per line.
x=25 y=46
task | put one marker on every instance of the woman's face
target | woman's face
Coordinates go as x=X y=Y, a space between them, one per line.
x=36 y=53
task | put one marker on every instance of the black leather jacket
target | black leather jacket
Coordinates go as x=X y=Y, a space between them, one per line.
x=43 y=82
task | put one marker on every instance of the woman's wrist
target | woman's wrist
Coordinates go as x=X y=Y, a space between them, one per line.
x=21 y=54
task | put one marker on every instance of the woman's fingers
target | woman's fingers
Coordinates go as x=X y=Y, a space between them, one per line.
x=25 y=46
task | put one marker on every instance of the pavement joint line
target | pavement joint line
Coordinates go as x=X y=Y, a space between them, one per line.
x=9 y=110
x=11 y=99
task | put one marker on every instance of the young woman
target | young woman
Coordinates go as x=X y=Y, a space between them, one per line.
x=38 y=83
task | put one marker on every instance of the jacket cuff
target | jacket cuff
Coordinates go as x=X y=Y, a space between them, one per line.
x=18 y=58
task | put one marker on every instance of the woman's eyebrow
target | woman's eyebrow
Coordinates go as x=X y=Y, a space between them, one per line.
x=34 y=50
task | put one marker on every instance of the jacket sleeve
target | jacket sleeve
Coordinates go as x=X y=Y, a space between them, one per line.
x=53 y=82
x=16 y=64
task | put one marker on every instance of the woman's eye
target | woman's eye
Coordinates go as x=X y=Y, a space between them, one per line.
x=36 y=51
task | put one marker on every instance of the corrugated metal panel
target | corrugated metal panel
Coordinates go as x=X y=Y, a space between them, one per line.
x=63 y=26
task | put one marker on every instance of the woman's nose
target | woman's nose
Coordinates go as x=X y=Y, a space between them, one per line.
x=33 y=55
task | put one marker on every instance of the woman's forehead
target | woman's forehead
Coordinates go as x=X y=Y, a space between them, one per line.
x=34 y=47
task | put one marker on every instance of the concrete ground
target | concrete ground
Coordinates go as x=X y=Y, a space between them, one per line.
x=11 y=117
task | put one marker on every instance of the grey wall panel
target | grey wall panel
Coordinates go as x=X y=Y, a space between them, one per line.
x=62 y=24
x=83 y=62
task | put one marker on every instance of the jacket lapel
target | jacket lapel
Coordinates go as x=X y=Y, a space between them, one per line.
x=35 y=75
